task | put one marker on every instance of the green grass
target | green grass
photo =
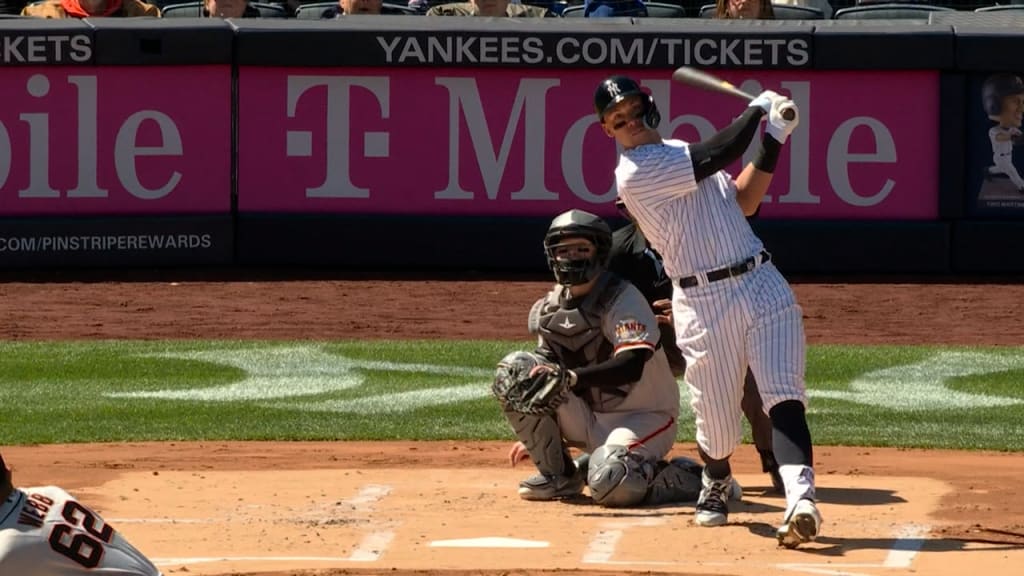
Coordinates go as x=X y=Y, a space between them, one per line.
x=925 y=397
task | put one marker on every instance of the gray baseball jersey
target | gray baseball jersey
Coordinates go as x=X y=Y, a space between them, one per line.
x=612 y=318
x=45 y=531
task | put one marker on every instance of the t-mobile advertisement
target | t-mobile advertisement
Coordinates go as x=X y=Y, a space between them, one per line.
x=505 y=142
x=115 y=140
x=995 y=144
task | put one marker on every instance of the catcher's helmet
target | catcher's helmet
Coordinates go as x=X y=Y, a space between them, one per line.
x=578 y=224
x=615 y=89
x=995 y=88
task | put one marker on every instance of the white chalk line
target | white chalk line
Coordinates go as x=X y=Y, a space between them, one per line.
x=369 y=549
x=907 y=543
x=602 y=546
x=212 y=559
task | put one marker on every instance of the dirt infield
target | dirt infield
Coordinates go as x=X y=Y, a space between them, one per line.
x=447 y=508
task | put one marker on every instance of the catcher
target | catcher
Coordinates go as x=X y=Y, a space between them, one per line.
x=597 y=381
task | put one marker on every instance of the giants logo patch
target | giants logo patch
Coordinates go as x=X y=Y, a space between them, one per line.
x=630 y=330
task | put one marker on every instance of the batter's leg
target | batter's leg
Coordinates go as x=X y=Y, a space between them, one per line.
x=777 y=358
x=710 y=324
x=761 y=429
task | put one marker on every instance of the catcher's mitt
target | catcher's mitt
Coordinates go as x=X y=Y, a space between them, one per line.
x=528 y=383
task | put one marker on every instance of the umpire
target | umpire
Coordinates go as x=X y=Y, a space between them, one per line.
x=633 y=259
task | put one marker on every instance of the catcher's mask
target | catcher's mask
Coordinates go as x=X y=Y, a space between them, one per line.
x=615 y=89
x=571 y=261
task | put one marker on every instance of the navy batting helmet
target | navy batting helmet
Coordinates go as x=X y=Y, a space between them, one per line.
x=615 y=89
x=578 y=224
x=997 y=87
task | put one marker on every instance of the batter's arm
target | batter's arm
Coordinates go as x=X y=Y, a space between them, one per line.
x=753 y=181
x=726 y=146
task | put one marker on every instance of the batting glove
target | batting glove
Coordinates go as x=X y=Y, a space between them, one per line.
x=778 y=127
x=764 y=101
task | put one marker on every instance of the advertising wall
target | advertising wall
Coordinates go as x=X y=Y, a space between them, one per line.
x=451 y=141
x=408 y=142
x=113 y=164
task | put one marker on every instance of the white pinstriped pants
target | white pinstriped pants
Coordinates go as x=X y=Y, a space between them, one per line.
x=722 y=327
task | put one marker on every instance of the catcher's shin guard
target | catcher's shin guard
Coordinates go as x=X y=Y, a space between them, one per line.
x=543 y=440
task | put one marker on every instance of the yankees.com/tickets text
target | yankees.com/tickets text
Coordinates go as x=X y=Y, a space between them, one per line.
x=595 y=50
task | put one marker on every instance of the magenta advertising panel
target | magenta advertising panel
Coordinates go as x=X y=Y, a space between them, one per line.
x=504 y=142
x=115 y=140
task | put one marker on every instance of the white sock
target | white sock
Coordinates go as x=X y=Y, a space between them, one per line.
x=799 y=482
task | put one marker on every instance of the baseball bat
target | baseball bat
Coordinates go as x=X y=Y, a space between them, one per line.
x=700 y=79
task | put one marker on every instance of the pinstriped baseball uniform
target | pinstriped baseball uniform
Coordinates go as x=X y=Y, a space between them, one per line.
x=1002 y=155
x=46 y=532
x=723 y=325
x=612 y=318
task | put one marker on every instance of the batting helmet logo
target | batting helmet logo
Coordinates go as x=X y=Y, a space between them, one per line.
x=615 y=89
x=997 y=87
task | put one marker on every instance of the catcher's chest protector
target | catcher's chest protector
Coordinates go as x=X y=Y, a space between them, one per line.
x=575 y=335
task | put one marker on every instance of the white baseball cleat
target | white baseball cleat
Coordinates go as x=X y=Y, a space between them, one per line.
x=802 y=526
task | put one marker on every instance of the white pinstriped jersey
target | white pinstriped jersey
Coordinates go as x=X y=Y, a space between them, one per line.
x=696 y=227
x=46 y=532
x=1002 y=148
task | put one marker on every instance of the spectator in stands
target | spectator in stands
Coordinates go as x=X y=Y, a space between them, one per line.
x=353 y=7
x=229 y=9
x=90 y=8
x=491 y=8
x=744 y=10
x=610 y=8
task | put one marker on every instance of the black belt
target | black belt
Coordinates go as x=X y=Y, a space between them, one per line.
x=727 y=272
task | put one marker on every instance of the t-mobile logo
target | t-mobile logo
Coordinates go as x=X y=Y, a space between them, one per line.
x=299 y=143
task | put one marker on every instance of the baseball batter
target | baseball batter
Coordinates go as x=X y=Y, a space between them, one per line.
x=1003 y=98
x=633 y=259
x=624 y=401
x=47 y=532
x=731 y=307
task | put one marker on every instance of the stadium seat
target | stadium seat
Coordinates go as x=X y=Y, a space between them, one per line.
x=782 y=12
x=896 y=11
x=195 y=10
x=654 y=10
x=662 y=10
x=316 y=10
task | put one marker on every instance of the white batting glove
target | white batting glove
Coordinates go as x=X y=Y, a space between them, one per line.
x=764 y=101
x=778 y=127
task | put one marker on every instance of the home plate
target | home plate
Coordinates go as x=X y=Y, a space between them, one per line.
x=489 y=542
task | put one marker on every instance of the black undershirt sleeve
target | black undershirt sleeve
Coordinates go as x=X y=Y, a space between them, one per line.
x=715 y=153
x=625 y=367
